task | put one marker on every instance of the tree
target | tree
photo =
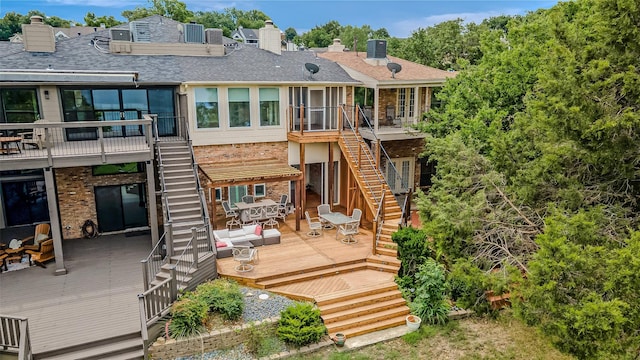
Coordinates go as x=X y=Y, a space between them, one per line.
x=290 y=34
x=10 y=24
x=216 y=20
x=173 y=9
x=91 y=20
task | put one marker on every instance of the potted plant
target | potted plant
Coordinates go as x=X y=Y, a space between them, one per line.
x=413 y=322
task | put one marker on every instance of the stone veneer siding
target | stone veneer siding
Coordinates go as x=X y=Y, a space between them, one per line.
x=236 y=153
x=76 y=196
x=407 y=148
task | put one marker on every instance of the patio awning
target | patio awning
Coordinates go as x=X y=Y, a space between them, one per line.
x=248 y=172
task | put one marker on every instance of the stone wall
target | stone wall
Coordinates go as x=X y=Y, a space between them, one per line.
x=406 y=148
x=76 y=196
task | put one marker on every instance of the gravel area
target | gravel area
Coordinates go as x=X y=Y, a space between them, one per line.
x=255 y=309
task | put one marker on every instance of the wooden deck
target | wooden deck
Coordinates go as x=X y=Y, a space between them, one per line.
x=97 y=299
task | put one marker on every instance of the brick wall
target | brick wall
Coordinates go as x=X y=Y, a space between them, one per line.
x=386 y=97
x=76 y=197
x=406 y=148
x=247 y=152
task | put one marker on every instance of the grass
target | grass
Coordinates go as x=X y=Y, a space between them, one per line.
x=468 y=339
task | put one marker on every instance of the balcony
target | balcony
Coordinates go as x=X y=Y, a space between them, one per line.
x=84 y=143
x=314 y=123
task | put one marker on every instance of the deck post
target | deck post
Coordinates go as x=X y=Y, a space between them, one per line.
x=301 y=119
x=340 y=118
x=194 y=246
x=145 y=274
x=331 y=175
x=169 y=240
x=143 y=318
x=173 y=286
x=303 y=193
x=151 y=194
x=56 y=230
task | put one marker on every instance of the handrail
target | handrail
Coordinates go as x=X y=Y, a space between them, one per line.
x=378 y=228
x=153 y=262
x=406 y=210
x=14 y=331
x=381 y=147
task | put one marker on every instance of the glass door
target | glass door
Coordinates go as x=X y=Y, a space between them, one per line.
x=316 y=110
x=121 y=207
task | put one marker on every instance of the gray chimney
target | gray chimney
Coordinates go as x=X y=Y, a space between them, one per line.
x=376 y=49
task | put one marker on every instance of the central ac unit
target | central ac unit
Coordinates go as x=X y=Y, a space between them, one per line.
x=194 y=33
x=120 y=34
x=141 y=31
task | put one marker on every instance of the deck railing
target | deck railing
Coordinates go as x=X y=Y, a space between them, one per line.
x=14 y=334
x=155 y=303
x=313 y=118
x=190 y=257
x=153 y=263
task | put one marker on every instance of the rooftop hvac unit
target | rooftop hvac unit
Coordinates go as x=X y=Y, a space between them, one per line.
x=141 y=31
x=120 y=34
x=213 y=36
x=194 y=33
x=376 y=49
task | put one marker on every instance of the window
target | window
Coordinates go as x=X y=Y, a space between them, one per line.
x=18 y=106
x=259 y=190
x=406 y=102
x=239 y=109
x=435 y=102
x=218 y=194
x=269 y=107
x=207 y=108
x=111 y=169
x=236 y=193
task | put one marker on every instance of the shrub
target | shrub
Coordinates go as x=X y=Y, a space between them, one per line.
x=413 y=250
x=188 y=316
x=300 y=324
x=222 y=296
x=429 y=302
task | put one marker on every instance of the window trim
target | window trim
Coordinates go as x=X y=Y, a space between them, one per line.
x=264 y=190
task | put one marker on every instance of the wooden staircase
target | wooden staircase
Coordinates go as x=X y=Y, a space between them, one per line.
x=185 y=211
x=372 y=185
x=123 y=347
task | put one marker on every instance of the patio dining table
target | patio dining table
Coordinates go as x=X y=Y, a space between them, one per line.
x=336 y=218
x=244 y=208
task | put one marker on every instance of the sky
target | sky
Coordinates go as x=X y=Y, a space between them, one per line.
x=400 y=18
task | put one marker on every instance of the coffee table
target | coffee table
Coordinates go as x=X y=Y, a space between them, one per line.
x=14 y=254
x=5 y=144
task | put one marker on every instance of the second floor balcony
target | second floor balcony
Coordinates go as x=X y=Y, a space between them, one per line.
x=83 y=143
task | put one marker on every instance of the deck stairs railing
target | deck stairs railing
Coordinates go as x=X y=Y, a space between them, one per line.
x=14 y=337
x=184 y=256
x=371 y=181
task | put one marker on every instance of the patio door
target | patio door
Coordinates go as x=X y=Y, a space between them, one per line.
x=316 y=110
x=25 y=202
x=400 y=181
x=121 y=207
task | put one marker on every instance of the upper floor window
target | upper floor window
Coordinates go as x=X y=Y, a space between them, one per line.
x=18 y=106
x=239 y=108
x=207 y=115
x=269 y=107
x=406 y=100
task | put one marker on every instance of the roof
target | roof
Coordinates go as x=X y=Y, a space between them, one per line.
x=411 y=71
x=244 y=64
x=220 y=173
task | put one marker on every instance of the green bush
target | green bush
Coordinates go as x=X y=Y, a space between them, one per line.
x=222 y=296
x=188 y=316
x=429 y=302
x=300 y=324
x=413 y=250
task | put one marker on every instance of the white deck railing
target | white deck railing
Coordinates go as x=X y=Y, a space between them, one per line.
x=14 y=334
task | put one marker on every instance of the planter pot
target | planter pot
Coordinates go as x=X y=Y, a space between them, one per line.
x=413 y=322
x=339 y=339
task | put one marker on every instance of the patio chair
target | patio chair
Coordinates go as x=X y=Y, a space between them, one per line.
x=283 y=210
x=40 y=235
x=356 y=215
x=244 y=255
x=315 y=226
x=35 y=138
x=247 y=199
x=232 y=214
x=3 y=260
x=255 y=215
x=348 y=230
x=45 y=254
x=271 y=212
x=324 y=209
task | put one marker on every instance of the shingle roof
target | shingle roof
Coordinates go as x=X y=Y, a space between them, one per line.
x=245 y=64
x=410 y=71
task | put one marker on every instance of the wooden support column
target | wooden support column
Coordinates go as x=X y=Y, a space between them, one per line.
x=303 y=192
x=56 y=230
x=349 y=192
x=212 y=206
x=301 y=119
x=153 y=207
x=299 y=211
x=331 y=176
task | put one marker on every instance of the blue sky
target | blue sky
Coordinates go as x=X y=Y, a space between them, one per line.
x=400 y=18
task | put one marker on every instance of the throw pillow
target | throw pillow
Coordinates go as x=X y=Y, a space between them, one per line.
x=221 y=244
x=258 y=230
x=40 y=238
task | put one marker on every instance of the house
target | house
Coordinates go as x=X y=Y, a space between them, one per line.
x=247 y=36
x=150 y=125
x=394 y=94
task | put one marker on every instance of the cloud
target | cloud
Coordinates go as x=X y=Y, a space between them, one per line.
x=404 y=28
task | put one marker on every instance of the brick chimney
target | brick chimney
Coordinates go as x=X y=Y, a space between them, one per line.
x=270 y=38
x=336 y=46
x=37 y=36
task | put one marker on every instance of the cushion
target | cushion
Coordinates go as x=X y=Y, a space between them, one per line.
x=258 y=230
x=39 y=238
x=15 y=244
x=236 y=233
x=221 y=244
x=249 y=229
x=221 y=234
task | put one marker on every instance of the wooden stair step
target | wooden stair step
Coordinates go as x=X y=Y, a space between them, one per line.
x=308 y=270
x=387 y=252
x=265 y=284
x=363 y=299
x=338 y=296
x=342 y=325
x=116 y=349
x=382 y=267
x=374 y=307
x=384 y=259
x=369 y=328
